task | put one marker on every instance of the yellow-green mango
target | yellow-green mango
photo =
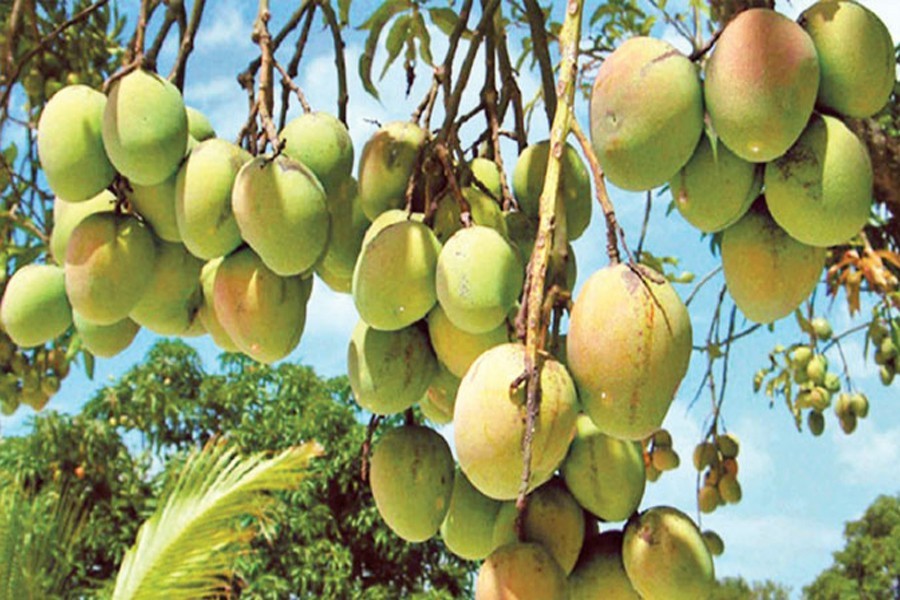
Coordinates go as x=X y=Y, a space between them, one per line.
x=279 y=206
x=820 y=192
x=456 y=348
x=440 y=397
x=35 y=309
x=521 y=571
x=627 y=383
x=552 y=519
x=600 y=573
x=105 y=341
x=263 y=313
x=761 y=84
x=389 y=217
x=487 y=173
x=348 y=226
x=715 y=188
x=768 y=273
x=468 y=528
x=170 y=303
x=411 y=476
x=322 y=143
x=387 y=162
x=856 y=57
x=156 y=203
x=489 y=422
x=574 y=185
x=522 y=231
x=394 y=278
x=207 y=309
x=109 y=260
x=199 y=126
x=606 y=475
x=665 y=556
x=478 y=279
x=70 y=144
x=389 y=371
x=203 y=198
x=145 y=127
x=483 y=210
x=646 y=113
x=67 y=215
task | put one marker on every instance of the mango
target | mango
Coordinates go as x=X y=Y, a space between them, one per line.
x=386 y=164
x=156 y=203
x=646 y=113
x=145 y=127
x=600 y=573
x=489 y=422
x=520 y=571
x=411 y=476
x=70 y=144
x=34 y=309
x=67 y=215
x=627 y=383
x=199 y=126
x=856 y=57
x=206 y=312
x=280 y=210
x=440 y=398
x=203 y=198
x=820 y=191
x=768 y=273
x=108 y=262
x=322 y=144
x=467 y=529
x=665 y=556
x=348 y=227
x=487 y=173
x=761 y=84
x=389 y=371
x=263 y=313
x=105 y=341
x=456 y=348
x=170 y=303
x=483 y=210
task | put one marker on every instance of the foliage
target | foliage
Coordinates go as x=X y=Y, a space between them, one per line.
x=869 y=565
x=736 y=588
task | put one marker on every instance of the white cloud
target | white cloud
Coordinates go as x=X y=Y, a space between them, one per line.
x=225 y=27
x=868 y=457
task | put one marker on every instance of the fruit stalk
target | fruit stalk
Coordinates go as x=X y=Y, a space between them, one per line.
x=563 y=118
x=265 y=98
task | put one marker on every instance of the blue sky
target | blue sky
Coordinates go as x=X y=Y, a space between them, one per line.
x=798 y=490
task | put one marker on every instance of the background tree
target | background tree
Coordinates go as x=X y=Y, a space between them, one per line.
x=869 y=565
x=737 y=588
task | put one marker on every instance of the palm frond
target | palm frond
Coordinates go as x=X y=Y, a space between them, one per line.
x=187 y=547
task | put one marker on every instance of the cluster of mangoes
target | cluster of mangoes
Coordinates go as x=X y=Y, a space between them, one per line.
x=660 y=455
x=719 y=460
x=29 y=377
x=160 y=224
x=436 y=298
x=885 y=338
x=757 y=149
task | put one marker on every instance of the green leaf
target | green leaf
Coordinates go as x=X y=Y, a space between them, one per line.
x=444 y=19
x=344 y=11
x=396 y=38
x=421 y=31
x=374 y=24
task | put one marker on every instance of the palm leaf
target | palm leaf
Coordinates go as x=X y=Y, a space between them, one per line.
x=187 y=547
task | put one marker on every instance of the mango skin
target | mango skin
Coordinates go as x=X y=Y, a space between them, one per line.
x=389 y=217
x=34 y=309
x=715 y=188
x=262 y=313
x=386 y=163
x=456 y=348
x=440 y=398
x=67 y=215
x=606 y=475
x=108 y=261
x=70 y=144
x=478 y=279
x=820 y=192
x=627 y=383
x=199 y=126
x=203 y=198
x=105 y=341
x=553 y=519
x=389 y=371
x=145 y=127
x=761 y=84
x=574 y=187
x=280 y=210
x=207 y=310
x=520 y=571
x=489 y=422
x=483 y=210
x=768 y=273
x=322 y=143
x=348 y=227
x=467 y=529
x=170 y=303
x=665 y=556
x=600 y=573
x=487 y=173
x=646 y=113
x=411 y=476
x=393 y=281
x=156 y=203
x=856 y=57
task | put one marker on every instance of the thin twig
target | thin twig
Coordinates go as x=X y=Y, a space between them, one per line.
x=645 y=224
x=187 y=44
x=339 y=60
x=542 y=53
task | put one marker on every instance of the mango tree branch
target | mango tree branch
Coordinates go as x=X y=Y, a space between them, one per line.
x=563 y=118
x=339 y=61
x=542 y=54
x=265 y=98
x=187 y=44
x=294 y=64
